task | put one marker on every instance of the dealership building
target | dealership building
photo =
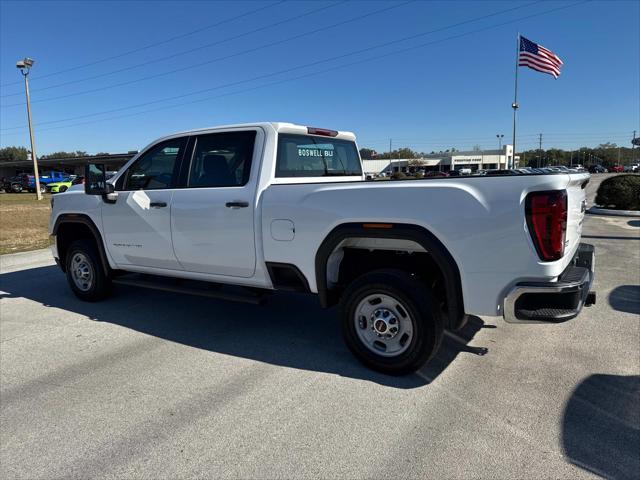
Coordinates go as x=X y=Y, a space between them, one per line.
x=444 y=161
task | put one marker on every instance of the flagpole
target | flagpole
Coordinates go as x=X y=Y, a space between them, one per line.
x=515 y=105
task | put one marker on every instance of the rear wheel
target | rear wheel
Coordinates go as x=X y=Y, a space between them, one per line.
x=85 y=273
x=63 y=188
x=390 y=322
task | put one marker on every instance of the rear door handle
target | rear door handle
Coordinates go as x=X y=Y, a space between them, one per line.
x=237 y=204
x=158 y=204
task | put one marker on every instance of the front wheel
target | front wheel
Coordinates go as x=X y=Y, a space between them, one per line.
x=85 y=272
x=390 y=322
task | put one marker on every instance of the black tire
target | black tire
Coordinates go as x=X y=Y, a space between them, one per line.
x=414 y=297
x=62 y=189
x=99 y=287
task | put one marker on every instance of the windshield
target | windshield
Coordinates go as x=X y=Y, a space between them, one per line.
x=314 y=156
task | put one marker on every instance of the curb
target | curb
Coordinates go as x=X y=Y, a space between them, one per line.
x=617 y=213
x=10 y=262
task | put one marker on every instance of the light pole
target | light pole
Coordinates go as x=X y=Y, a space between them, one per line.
x=24 y=66
x=500 y=137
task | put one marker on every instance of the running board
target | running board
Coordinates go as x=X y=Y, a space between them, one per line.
x=176 y=287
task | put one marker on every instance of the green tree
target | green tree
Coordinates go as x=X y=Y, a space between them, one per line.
x=400 y=153
x=63 y=154
x=13 y=154
x=365 y=153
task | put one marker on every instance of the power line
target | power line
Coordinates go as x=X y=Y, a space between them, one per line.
x=201 y=64
x=297 y=67
x=484 y=140
x=350 y=64
x=162 y=42
x=178 y=54
x=226 y=57
x=489 y=136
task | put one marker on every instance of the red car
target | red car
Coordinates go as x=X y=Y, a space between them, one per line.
x=616 y=169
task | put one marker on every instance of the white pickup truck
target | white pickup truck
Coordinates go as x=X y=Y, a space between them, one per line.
x=236 y=212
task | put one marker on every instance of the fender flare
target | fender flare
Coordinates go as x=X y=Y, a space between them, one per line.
x=88 y=222
x=420 y=235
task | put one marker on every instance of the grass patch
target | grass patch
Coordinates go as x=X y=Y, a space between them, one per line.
x=24 y=222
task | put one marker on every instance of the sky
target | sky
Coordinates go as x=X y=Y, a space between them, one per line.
x=112 y=76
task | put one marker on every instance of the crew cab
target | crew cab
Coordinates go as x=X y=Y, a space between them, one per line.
x=238 y=212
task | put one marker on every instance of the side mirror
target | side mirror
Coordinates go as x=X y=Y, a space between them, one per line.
x=95 y=182
x=95 y=179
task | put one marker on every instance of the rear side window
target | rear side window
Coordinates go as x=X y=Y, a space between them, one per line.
x=222 y=159
x=313 y=156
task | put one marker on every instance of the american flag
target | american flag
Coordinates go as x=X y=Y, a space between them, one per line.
x=538 y=58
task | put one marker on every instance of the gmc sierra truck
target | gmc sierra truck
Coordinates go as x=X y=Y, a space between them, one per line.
x=236 y=212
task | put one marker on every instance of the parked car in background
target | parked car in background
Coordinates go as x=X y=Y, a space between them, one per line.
x=46 y=178
x=597 y=169
x=14 y=184
x=79 y=180
x=496 y=171
x=436 y=174
x=616 y=169
x=59 y=187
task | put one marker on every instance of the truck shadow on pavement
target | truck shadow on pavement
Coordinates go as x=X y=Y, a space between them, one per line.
x=601 y=426
x=625 y=298
x=291 y=330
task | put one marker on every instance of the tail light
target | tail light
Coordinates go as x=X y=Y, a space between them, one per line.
x=547 y=221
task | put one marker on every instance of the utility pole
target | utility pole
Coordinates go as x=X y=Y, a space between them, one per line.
x=619 y=156
x=540 y=151
x=25 y=66
x=633 y=148
x=390 y=162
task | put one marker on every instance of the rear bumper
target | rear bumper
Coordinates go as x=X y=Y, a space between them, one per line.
x=554 y=302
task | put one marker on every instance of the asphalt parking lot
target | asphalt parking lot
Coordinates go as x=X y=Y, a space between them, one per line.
x=158 y=385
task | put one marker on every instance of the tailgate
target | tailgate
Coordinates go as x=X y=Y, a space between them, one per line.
x=577 y=205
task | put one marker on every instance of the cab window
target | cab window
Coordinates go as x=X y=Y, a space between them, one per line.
x=155 y=169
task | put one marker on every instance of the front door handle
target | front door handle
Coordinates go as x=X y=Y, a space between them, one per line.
x=236 y=204
x=158 y=204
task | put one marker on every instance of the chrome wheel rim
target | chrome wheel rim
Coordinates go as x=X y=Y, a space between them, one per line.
x=81 y=271
x=383 y=324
